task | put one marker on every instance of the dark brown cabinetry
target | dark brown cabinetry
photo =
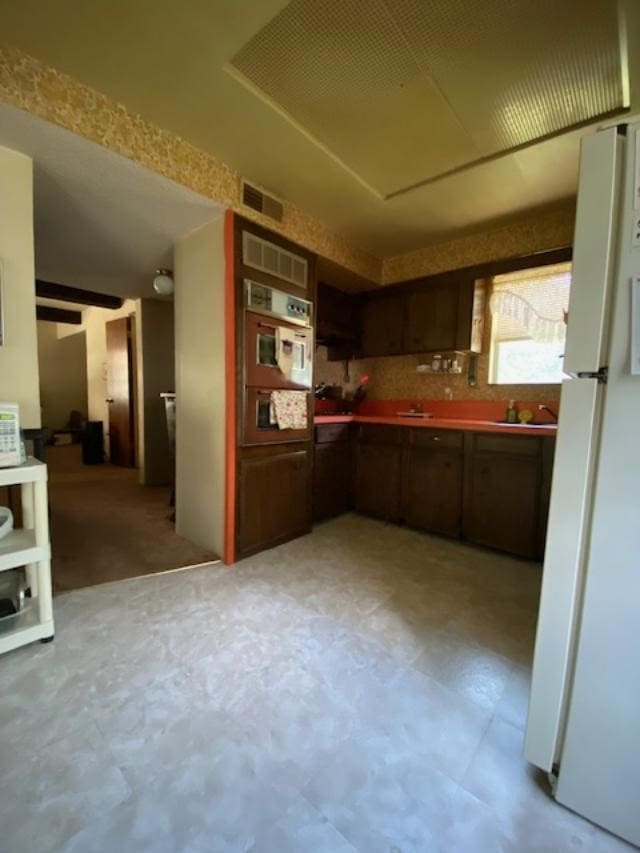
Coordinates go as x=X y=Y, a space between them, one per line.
x=378 y=472
x=504 y=492
x=437 y=314
x=274 y=502
x=332 y=471
x=487 y=488
x=432 y=481
x=432 y=317
x=383 y=319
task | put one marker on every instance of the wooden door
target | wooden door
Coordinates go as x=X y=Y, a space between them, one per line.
x=432 y=485
x=378 y=480
x=432 y=317
x=120 y=392
x=503 y=493
x=274 y=500
x=383 y=325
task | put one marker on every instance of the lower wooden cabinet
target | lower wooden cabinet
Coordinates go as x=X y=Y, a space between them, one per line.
x=487 y=488
x=274 y=499
x=503 y=494
x=332 y=478
x=432 y=483
x=378 y=473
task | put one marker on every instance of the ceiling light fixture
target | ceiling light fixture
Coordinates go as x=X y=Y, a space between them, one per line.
x=163 y=282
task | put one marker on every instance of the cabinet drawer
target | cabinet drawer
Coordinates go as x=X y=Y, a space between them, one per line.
x=327 y=433
x=380 y=434
x=425 y=437
x=515 y=444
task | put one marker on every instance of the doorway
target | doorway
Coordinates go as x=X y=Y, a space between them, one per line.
x=120 y=391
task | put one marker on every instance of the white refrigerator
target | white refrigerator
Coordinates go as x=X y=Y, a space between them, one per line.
x=584 y=710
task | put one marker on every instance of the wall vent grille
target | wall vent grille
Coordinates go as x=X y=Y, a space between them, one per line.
x=267 y=257
x=264 y=203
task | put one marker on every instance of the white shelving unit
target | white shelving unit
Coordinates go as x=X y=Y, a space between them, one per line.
x=29 y=546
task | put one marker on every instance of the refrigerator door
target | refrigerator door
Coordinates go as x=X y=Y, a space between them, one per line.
x=562 y=576
x=585 y=353
x=587 y=344
x=600 y=761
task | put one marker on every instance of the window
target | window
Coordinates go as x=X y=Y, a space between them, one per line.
x=528 y=325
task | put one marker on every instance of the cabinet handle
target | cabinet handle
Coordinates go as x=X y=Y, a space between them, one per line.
x=435 y=438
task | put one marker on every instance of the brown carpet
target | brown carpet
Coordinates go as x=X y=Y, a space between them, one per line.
x=106 y=527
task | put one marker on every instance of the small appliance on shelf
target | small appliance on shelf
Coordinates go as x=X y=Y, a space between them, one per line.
x=11 y=453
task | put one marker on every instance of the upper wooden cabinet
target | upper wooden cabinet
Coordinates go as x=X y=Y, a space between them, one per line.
x=433 y=315
x=383 y=323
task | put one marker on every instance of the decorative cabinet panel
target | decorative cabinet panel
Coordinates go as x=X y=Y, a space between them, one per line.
x=383 y=322
x=503 y=494
x=378 y=472
x=333 y=466
x=433 y=481
x=274 y=503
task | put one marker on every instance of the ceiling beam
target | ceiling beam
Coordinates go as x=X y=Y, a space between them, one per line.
x=51 y=290
x=58 y=315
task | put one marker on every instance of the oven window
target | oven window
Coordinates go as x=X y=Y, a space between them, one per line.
x=266 y=350
x=265 y=418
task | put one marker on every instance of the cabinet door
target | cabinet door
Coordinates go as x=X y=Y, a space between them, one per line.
x=432 y=487
x=331 y=479
x=274 y=500
x=383 y=325
x=502 y=501
x=432 y=317
x=378 y=480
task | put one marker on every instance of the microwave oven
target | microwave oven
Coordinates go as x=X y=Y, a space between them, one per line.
x=10 y=442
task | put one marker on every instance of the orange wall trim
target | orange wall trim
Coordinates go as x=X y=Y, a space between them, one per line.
x=229 y=555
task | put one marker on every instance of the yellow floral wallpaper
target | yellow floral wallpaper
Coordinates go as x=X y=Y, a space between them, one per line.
x=36 y=88
x=549 y=230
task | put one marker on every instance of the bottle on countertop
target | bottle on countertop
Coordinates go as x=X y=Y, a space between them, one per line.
x=512 y=414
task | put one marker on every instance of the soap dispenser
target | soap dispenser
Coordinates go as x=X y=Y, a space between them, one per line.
x=512 y=414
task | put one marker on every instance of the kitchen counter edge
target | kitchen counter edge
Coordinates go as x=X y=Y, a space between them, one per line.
x=441 y=423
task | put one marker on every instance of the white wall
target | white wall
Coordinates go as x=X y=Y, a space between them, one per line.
x=199 y=301
x=62 y=364
x=19 y=354
x=156 y=373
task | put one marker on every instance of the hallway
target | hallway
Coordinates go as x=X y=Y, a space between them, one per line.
x=106 y=527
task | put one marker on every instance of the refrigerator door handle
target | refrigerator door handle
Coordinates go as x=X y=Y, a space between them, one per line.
x=601 y=376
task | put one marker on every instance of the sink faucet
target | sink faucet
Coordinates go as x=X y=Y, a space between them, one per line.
x=543 y=408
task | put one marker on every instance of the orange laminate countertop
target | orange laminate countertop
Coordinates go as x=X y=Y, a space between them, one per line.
x=442 y=423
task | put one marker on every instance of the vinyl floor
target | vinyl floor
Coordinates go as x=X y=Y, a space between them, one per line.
x=361 y=688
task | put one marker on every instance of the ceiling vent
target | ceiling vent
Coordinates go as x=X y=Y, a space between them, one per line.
x=258 y=200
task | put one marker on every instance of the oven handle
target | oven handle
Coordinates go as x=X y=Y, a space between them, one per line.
x=304 y=335
x=268 y=393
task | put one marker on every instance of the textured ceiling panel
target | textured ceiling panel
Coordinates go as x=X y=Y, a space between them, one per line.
x=516 y=71
x=402 y=91
x=341 y=69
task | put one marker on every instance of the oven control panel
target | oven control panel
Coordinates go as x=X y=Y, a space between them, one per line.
x=276 y=303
